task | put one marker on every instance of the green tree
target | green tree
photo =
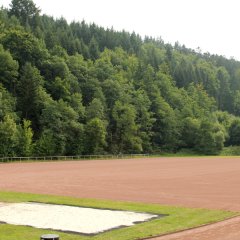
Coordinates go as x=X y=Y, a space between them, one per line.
x=166 y=133
x=95 y=136
x=103 y=68
x=211 y=138
x=201 y=103
x=78 y=67
x=92 y=89
x=93 y=49
x=24 y=47
x=234 y=133
x=24 y=10
x=54 y=67
x=45 y=145
x=8 y=70
x=144 y=118
x=112 y=91
x=95 y=110
x=24 y=139
x=184 y=72
x=62 y=122
x=206 y=74
x=7 y=104
x=236 y=103
x=8 y=136
x=28 y=90
x=224 y=97
x=75 y=103
x=125 y=138
x=190 y=132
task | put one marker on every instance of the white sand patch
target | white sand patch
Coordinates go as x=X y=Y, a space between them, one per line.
x=68 y=218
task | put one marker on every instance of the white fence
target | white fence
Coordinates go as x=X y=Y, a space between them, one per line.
x=69 y=158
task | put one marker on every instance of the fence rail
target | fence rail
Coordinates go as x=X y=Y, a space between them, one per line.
x=69 y=158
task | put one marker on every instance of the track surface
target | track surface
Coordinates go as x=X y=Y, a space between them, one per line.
x=206 y=182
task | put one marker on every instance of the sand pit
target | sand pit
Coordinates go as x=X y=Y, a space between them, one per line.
x=69 y=218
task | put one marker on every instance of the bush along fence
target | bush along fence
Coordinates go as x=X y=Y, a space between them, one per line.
x=69 y=158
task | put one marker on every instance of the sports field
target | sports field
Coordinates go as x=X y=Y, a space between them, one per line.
x=200 y=182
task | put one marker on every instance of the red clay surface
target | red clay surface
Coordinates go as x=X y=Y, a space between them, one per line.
x=205 y=182
x=227 y=230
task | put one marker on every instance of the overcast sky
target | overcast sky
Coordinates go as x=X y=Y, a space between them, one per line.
x=212 y=25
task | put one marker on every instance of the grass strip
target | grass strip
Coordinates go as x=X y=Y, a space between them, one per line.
x=178 y=218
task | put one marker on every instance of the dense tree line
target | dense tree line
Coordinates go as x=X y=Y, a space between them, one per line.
x=68 y=89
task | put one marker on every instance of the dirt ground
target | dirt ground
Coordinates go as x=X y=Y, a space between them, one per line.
x=205 y=182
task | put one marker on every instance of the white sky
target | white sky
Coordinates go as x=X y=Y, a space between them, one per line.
x=212 y=25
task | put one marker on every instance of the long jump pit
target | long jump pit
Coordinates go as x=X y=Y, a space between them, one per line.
x=199 y=182
x=71 y=219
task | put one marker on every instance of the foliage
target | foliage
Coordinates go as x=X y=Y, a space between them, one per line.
x=24 y=10
x=8 y=136
x=45 y=145
x=79 y=88
x=8 y=70
x=24 y=137
x=24 y=47
x=230 y=151
x=7 y=104
x=234 y=133
x=125 y=131
x=95 y=136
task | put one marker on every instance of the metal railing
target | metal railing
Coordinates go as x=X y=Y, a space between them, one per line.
x=69 y=158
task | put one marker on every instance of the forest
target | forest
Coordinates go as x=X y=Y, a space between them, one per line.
x=78 y=88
